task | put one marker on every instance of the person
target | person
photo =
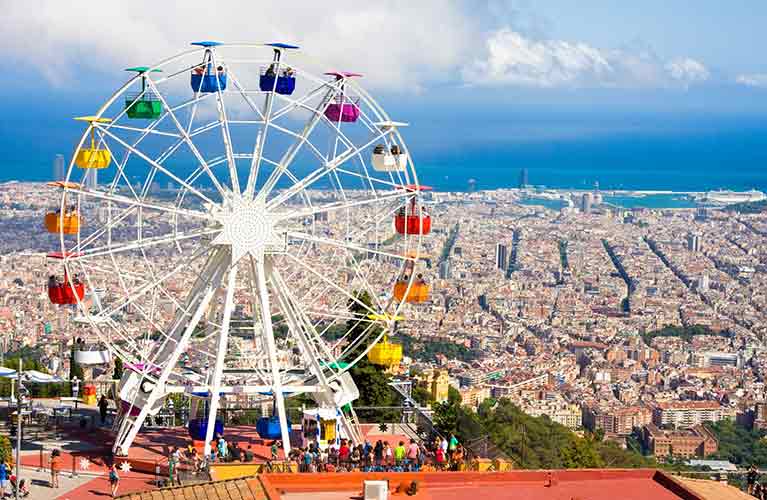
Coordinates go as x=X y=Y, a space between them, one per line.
x=23 y=488
x=55 y=468
x=395 y=150
x=223 y=449
x=457 y=458
x=751 y=477
x=103 y=407
x=237 y=452
x=388 y=455
x=378 y=453
x=421 y=456
x=3 y=476
x=172 y=463
x=399 y=454
x=355 y=457
x=194 y=457
x=440 y=458
x=249 y=454
x=344 y=452
x=412 y=456
x=114 y=479
x=213 y=450
x=453 y=443
x=270 y=70
x=274 y=449
x=308 y=457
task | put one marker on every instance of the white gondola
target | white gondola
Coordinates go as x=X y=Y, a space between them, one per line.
x=392 y=160
x=92 y=354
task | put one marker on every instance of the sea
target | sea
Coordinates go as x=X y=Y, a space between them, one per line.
x=732 y=159
x=689 y=155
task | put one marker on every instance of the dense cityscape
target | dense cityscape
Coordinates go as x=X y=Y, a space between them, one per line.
x=637 y=324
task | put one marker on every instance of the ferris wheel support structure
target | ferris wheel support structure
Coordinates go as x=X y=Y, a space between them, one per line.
x=223 y=289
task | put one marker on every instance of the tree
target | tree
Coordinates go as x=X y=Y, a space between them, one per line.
x=75 y=370
x=118 y=372
x=374 y=389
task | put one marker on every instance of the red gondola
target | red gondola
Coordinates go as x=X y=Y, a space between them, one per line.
x=65 y=292
x=409 y=220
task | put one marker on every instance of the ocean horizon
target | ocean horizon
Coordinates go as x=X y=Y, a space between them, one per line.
x=688 y=156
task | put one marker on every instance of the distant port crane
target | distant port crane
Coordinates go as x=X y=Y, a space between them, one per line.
x=292 y=197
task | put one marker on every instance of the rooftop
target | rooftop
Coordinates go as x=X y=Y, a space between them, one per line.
x=591 y=484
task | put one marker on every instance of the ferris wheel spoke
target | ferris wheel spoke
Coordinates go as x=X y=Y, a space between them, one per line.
x=159 y=167
x=279 y=400
x=350 y=247
x=343 y=205
x=226 y=136
x=231 y=75
x=189 y=142
x=290 y=154
x=167 y=355
x=373 y=180
x=139 y=244
x=317 y=174
x=223 y=339
x=312 y=343
x=148 y=131
x=329 y=282
x=135 y=203
x=136 y=294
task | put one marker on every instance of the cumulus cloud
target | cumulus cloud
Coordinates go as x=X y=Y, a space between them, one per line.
x=753 y=80
x=402 y=45
x=511 y=58
x=396 y=45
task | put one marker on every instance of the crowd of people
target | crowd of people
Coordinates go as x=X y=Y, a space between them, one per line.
x=381 y=456
x=440 y=454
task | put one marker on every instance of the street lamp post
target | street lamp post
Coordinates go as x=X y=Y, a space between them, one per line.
x=20 y=391
x=75 y=389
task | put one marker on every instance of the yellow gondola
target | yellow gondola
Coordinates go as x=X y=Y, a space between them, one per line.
x=385 y=353
x=93 y=157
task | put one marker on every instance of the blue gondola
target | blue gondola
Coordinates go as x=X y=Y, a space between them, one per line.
x=269 y=427
x=198 y=428
x=286 y=84
x=207 y=80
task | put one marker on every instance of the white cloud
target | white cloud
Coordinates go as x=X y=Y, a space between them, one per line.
x=402 y=44
x=394 y=45
x=753 y=80
x=687 y=70
x=513 y=59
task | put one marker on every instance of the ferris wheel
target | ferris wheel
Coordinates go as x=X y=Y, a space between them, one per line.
x=239 y=222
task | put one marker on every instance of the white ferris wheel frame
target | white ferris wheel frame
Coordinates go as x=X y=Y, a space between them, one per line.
x=219 y=274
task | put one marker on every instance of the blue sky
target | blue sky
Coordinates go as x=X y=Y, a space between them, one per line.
x=495 y=73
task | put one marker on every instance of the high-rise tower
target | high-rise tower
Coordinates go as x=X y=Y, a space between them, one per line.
x=501 y=256
x=58 y=168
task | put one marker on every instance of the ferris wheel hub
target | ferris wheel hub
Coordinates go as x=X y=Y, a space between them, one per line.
x=248 y=228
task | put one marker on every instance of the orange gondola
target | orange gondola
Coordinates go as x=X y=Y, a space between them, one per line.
x=418 y=293
x=68 y=223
